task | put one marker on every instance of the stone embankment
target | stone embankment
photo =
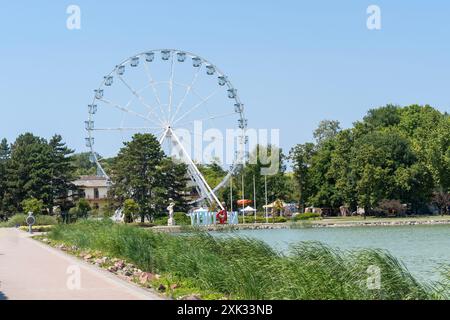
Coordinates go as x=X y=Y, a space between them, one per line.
x=325 y=223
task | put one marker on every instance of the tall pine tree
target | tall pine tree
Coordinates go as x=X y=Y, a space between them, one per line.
x=37 y=169
x=142 y=172
x=62 y=173
x=5 y=152
x=175 y=182
x=136 y=174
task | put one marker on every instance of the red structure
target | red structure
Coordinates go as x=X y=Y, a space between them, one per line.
x=244 y=202
x=222 y=216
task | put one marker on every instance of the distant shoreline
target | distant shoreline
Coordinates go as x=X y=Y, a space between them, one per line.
x=325 y=223
x=378 y=223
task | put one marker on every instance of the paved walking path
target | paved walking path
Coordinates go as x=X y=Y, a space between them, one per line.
x=31 y=270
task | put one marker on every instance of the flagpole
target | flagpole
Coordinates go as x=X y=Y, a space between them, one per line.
x=254 y=196
x=265 y=187
x=243 y=202
x=231 y=193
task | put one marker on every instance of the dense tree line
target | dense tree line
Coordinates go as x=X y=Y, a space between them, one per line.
x=84 y=166
x=34 y=168
x=249 y=180
x=394 y=153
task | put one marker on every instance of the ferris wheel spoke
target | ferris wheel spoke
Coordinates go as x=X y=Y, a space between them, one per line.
x=171 y=87
x=193 y=145
x=125 y=109
x=196 y=171
x=209 y=118
x=163 y=136
x=141 y=99
x=186 y=92
x=152 y=84
x=126 y=128
x=204 y=100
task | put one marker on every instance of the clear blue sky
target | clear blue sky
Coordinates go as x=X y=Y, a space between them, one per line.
x=293 y=62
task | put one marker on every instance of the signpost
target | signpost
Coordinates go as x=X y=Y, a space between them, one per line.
x=30 y=221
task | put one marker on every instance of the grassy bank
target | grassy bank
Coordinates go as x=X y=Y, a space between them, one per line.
x=20 y=220
x=243 y=268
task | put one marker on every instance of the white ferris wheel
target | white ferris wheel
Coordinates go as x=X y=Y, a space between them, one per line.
x=162 y=92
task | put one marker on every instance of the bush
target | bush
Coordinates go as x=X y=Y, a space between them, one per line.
x=19 y=219
x=390 y=207
x=15 y=220
x=71 y=216
x=261 y=219
x=251 y=219
x=81 y=210
x=306 y=216
x=94 y=213
x=44 y=220
x=32 y=205
x=181 y=219
x=37 y=228
x=161 y=221
x=107 y=212
x=143 y=224
x=130 y=210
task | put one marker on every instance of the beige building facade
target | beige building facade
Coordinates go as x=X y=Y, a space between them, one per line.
x=95 y=190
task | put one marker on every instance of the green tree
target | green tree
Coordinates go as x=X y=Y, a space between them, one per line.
x=428 y=131
x=323 y=184
x=414 y=186
x=32 y=205
x=4 y=158
x=341 y=171
x=82 y=164
x=441 y=200
x=265 y=163
x=130 y=210
x=214 y=174
x=394 y=153
x=376 y=161
x=300 y=156
x=327 y=129
x=62 y=173
x=28 y=171
x=227 y=194
x=387 y=116
x=137 y=174
x=175 y=182
x=38 y=169
x=82 y=208
x=85 y=166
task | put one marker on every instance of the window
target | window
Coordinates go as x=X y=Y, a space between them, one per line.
x=96 y=194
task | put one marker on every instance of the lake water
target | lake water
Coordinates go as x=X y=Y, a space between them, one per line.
x=421 y=248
